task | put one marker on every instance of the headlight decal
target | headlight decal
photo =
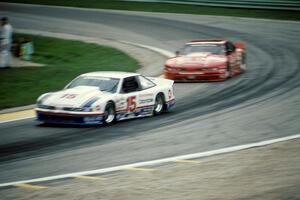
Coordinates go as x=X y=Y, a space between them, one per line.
x=46 y=107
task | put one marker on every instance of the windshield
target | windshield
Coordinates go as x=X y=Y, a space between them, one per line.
x=103 y=83
x=198 y=48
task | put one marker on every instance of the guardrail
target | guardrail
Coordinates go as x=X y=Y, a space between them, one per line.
x=293 y=5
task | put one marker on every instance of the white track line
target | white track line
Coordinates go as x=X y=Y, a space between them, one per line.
x=155 y=162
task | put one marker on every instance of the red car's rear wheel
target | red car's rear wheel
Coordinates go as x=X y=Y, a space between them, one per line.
x=243 y=63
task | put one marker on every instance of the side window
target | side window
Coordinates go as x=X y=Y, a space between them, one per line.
x=145 y=83
x=230 y=47
x=130 y=84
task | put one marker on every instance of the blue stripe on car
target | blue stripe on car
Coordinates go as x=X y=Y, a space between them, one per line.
x=90 y=102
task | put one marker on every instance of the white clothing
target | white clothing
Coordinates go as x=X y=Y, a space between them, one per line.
x=5 y=45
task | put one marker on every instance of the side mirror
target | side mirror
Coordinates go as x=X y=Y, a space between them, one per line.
x=177 y=53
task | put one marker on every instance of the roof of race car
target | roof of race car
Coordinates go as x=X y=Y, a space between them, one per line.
x=207 y=42
x=111 y=74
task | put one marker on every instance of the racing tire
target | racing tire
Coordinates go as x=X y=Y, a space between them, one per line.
x=109 y=113
x=159 y=104
x=243 y=62
x=228 y=73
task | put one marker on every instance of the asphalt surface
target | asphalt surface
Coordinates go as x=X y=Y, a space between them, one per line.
x=263 y=103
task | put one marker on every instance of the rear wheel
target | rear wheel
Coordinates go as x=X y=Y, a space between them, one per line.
x=243 y=62
x=159 y=104
x=228 y=73
x=109 y=113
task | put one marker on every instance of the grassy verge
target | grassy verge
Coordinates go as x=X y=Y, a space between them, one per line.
x=170 y=8
x=64 y=60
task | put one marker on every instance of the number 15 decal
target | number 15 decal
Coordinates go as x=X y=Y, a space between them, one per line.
x=131 y=104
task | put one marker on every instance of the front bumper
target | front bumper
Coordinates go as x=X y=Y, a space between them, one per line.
x=69 y=118
x=195 y=76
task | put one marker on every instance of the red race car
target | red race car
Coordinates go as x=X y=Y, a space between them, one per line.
x=207 y=60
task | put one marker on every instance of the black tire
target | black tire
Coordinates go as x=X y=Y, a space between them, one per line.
x=159 y=104
x=109 y=113
x=228 y=72
x=243 y=62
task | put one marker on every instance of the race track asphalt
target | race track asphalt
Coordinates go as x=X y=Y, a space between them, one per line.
x=263 y=103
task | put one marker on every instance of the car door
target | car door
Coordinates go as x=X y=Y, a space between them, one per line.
x=146 y=95
x=137 y=97
x=129 y=96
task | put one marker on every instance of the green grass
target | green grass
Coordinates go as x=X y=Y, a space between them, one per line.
x=169 y=8
x=64 y=61
x=294 y=198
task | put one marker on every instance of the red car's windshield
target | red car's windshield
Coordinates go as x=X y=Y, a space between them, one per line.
x=200 y=48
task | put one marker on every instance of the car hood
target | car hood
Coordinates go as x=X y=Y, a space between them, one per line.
x=78 y=97
x=197 y=60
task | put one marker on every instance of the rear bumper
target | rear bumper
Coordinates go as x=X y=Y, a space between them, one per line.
x=69 y=118
x=194 y=77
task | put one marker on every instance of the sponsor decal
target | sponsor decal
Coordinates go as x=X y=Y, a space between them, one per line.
x=120 y=104
x=131 y=104
x=139 y=112
x=98 y=108
x=144 y=101
x=146 y=95
x=170 y=94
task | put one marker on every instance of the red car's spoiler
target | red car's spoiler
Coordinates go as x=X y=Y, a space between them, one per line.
x=240 y=45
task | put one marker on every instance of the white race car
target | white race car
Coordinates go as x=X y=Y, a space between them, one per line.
x=105 y=97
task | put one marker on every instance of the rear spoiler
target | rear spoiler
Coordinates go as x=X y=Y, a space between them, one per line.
x=240 y=45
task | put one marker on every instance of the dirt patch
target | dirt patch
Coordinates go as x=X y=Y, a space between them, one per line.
x=267 y=173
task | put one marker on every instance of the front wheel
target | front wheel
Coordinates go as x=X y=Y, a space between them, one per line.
x=159 y=104
x=109 y=113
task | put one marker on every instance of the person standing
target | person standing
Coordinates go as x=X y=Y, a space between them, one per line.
x=5 y=43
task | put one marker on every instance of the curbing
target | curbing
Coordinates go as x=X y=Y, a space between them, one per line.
x=16 y=109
